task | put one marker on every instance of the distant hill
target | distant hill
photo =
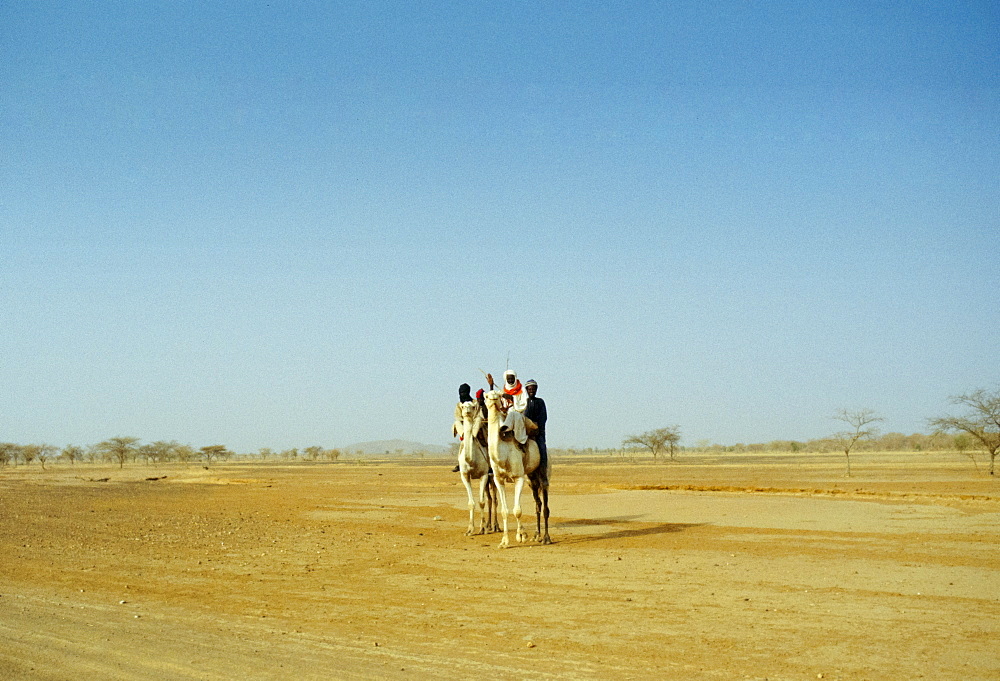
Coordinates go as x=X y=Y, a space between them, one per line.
x=392 y=448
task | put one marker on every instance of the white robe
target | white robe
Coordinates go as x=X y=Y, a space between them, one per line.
x=521 y=400
x=514 y=421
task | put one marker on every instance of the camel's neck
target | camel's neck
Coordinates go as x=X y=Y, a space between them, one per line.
x=469 y=433
x=492 y=426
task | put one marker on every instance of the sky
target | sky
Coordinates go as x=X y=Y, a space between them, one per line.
x=289 y=224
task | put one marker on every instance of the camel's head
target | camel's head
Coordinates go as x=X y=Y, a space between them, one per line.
x=492 y=399
x=470 y=410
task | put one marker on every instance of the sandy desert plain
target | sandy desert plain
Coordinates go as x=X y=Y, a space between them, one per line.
x=733 y=567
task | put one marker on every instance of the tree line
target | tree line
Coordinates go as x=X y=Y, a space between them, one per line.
x=975 y=430
x=122 y=450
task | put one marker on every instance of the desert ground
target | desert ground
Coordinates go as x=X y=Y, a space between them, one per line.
x=729 y=567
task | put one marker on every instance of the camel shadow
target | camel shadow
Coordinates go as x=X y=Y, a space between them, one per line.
x=647 y=529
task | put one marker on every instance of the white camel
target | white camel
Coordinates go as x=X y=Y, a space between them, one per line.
x=474 y=464
x=510 y=464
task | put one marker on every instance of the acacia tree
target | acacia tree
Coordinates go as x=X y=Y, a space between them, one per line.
x=656 y=440
x=184 y=453
x=982 y=420
x=8 y=452
x=71 y=453
x=42 y=453
x=215 y=451
x=159 y=451
x=28 y=453
x=148 y=452
x=859 y=420
x=119 y=449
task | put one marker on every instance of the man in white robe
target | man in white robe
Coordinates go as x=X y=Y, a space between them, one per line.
x=513 y=387
x=513 y=420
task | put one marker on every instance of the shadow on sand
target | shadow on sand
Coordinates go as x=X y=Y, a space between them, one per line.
x=639 y=530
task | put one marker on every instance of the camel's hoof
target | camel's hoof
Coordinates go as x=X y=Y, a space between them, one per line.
x=546 y=540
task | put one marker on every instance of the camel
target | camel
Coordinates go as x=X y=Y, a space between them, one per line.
x=474 y=464
x=510 y=464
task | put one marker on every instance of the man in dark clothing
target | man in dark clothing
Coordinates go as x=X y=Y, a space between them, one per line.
x=481 y=399
x=536 y=412
x=464 y=395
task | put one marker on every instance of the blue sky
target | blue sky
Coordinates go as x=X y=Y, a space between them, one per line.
x=287 y=224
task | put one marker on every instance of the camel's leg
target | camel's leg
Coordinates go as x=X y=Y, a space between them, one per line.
x=484 y=492
x=472 y=501
x=494 y=505
x=502 y=498
x=546 y=539
x=493 y=522
x=492 y=517
x=518 y=486
x=540 y=489
x=536 y=485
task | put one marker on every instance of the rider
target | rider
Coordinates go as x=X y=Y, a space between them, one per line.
x=464 y=395
x=458 y=427
x=537 y=413
x=513 y=420
x=513 y=387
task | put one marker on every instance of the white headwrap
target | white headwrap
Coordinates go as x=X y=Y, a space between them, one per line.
x=518 y=392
